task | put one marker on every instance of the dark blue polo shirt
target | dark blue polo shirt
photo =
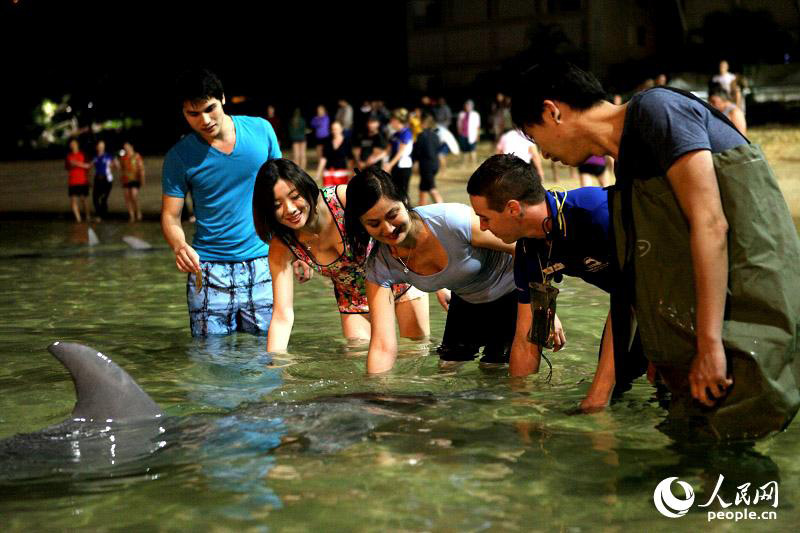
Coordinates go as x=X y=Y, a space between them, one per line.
x=581 y=246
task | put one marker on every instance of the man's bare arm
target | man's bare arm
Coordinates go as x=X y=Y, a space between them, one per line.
x=694 y=183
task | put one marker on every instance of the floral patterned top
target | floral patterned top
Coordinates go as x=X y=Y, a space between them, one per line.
x=347 y=272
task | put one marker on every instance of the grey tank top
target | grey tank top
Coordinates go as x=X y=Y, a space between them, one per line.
x=478 y=275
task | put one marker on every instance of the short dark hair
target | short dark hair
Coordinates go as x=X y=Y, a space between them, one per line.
x=363 y=192
x=266 y=223
x=505 y=177
x=196 y=85
x=716 y=89
x=560 y=81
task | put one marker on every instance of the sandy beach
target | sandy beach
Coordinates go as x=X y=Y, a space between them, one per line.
x=39 y=188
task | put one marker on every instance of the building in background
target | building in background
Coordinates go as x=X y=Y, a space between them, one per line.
x=451 y=43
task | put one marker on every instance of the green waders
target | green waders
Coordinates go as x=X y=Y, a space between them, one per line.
x=762 y=314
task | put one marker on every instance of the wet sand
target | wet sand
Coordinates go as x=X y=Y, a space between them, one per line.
x=39 y=188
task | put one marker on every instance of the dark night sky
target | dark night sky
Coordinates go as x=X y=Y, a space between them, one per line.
x=124 y=55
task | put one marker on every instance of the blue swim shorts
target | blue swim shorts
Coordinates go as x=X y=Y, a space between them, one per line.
x=234 y=297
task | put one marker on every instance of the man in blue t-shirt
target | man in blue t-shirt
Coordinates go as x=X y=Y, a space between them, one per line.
x=229 y=286
x=556 y=234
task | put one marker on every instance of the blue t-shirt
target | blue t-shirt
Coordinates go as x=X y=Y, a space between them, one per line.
x=582 y=247
x=102 y=166
x=404 y=137
x=661 y=126
x=222 y=188
x=478 y=275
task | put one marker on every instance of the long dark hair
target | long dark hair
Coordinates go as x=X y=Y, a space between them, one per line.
x=363 y=191
x=267 y=225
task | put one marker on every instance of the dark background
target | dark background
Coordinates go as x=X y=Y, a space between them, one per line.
x=124 y=56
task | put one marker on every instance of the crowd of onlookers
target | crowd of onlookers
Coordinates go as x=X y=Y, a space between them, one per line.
x=351 y=139
x=400 y=139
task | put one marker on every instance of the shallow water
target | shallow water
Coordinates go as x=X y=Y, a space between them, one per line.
x=294 y=443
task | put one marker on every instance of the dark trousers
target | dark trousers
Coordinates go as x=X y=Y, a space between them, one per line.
x=100 y=193
x=400 y=178
x=470 y=326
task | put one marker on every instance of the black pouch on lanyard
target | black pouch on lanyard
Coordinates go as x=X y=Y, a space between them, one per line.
x=543 y=305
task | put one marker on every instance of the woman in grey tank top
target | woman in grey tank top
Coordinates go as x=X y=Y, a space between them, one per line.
x=434 y=247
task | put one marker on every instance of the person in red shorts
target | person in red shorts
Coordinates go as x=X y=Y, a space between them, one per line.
x=132 y=167
x=78 y=177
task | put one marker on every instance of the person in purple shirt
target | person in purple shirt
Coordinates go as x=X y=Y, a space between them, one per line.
x=321 y=124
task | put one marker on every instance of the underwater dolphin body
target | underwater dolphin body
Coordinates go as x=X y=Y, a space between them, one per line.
x=116 y=425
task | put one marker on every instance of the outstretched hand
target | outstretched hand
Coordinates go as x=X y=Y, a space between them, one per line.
x=186 y=259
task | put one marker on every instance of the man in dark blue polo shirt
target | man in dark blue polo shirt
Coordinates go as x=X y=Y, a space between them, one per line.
x=556 y=234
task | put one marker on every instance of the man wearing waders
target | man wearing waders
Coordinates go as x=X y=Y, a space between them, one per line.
x=704 y=241
x=557 y=234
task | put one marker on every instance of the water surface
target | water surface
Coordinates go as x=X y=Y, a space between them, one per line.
x=306 y=441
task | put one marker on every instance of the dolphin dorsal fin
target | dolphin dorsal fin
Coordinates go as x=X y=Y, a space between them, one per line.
x=104 y=391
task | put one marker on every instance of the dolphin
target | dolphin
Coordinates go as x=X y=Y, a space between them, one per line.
x=105 y=392
x=116 y=427
x=136 y=243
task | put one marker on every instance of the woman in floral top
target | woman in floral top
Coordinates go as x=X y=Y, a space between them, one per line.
x=301 y=221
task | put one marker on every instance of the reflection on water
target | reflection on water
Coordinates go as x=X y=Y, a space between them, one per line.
x=306 y=441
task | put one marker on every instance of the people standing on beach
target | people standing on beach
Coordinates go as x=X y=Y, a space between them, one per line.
x=103 y=178
x=514 y=142
x=426 y=153
x=724 y=77
x=362 y=114
x=77 y=180
x=370 y=147
x=443 y=113
x=468 y=125
x=132 y=176
x=436 y=248
x=500 y=116
x=336 y=164
x=297 y=136
x=275 y=121
x=300 y=220
x=415 y=122
x=228 y=286
x=321 y=125
x=344 y=115
x=383 y=114
x=400 y=162
x=721 y=100
x=449 y=144
x=712 y=277
x=596 y=167
x=556 y=234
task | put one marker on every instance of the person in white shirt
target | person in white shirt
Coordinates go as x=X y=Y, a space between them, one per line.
x=469 y=122
x=514 y=142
